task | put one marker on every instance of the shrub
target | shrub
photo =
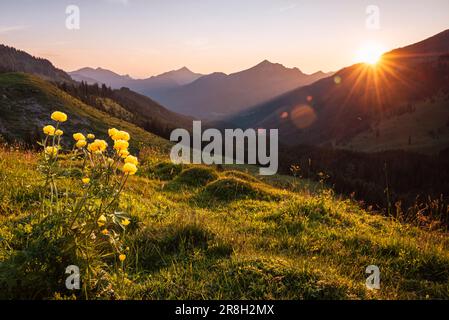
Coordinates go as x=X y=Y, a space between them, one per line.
x=166 y=170
x=197 y=176
x=240 y=175
x=228 y=189
x=177 y=241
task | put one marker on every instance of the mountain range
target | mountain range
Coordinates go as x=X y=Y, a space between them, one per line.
x=400 y=103
x=30 y=88
x=149 y=86
x=212 y=96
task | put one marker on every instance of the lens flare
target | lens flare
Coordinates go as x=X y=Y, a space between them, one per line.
x=303 y=116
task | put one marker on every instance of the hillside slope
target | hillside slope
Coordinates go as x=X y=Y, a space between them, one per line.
x=146 y=109
x=26 y=101
x=130 y=106
x=13 y=60
x=410 y=84
x=123 y=104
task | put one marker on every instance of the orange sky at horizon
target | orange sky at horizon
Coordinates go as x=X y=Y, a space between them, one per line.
x=142 y=38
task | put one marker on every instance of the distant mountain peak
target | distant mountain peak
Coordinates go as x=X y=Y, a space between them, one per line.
x=321 y=73
x=185 y=69
x=268 y=66
x=267 y=63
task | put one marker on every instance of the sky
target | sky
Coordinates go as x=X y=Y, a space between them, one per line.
x=147 y=37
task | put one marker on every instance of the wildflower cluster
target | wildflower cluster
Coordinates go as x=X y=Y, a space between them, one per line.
x=90 y=215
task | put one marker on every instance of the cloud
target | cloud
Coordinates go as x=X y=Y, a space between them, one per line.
x=8 y=29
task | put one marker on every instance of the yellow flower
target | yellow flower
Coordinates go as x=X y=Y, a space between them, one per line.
x=81 y=144
x=132 y=159
x=129 y=168
x=105 y=232
x=28 y=228
x=125 y=222
x=123 y=153
x=122 y=257
x=49 y=130
x=121 y=145
x=59 y=116
x=85 y=180
x=59 y=132
x=125 y=135
x=98 y=146
x=112 y=132
x=121 y=135
x=101 y=221
x=91 y=136
x=51 y=151
x=79 y=136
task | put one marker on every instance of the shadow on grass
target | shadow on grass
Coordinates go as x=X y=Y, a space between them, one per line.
x=180 y=242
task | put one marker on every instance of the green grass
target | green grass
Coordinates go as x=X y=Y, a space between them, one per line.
x=274 y=239
x=231 y=188
x=197 y=176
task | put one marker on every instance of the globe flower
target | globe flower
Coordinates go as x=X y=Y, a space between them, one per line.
x=125 y=135
x=79 y=136
x=98 y=146
x=132 y=159
x=59 y=132
x=59 y=116
x=121 y=135
x=51 y=151
x=125 y=222
x=112 y=132
x=122 y=257
x=123 y=153
x=85 y=180
x=101 y=221
x=129 y=168
x=105 y=232
x=81 y=144
x=90 y=136
x=121 y=145
x=49 y=130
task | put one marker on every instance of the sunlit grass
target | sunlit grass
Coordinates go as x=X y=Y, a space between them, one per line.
x=188 y=244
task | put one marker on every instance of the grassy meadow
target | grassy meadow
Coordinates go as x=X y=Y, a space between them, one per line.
x=200 y=232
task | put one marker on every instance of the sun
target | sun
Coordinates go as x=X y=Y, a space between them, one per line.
x=370 y=53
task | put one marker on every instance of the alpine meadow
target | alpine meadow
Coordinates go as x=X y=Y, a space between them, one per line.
x=241 y=180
